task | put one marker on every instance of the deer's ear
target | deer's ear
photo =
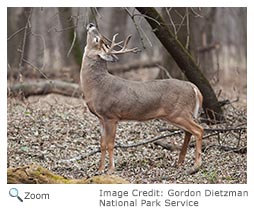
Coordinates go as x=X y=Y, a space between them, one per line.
x=106 y=57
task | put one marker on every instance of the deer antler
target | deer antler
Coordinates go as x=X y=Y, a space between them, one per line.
x=110 y=49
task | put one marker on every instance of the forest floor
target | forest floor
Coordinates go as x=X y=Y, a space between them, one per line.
x=53 y=129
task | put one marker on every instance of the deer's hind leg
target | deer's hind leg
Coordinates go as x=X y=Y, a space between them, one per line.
x=184 y=148
x=191 y=128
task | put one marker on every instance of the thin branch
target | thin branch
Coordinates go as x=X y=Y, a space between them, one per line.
x=73 y=42
x=74 y=34
x=187 y=29
x=171 y=21
x=36 y=68
x=214 y=129
x=94 y=11
x=136 y=26
x=15 y=33
x=80 y=157
x=225 y=129
x=124 y=146
x=148 y=17
x=27 y=26
x=44 y=48
x=148 y=140
x=196 y=14
x=162 y=68
x=182 y=21
x=97 y=12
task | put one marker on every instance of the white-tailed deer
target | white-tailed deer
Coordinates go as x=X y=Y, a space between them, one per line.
x=113 y=99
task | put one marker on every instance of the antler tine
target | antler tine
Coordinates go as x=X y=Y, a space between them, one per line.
x=113 y=43
x=134 y=50
x=126 y=42
x=124 y=49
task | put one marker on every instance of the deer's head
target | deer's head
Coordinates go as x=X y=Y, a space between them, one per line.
x=99 y=46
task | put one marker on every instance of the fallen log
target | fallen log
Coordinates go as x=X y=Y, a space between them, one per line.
x=34 y=174
x=44 y=87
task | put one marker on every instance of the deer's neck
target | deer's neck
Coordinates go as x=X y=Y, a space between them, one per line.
x=93 y=70
x=93 y=76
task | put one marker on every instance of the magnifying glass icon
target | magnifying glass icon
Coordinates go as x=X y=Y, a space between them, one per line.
x=13 y=192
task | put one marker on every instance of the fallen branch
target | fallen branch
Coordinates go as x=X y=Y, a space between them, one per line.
x=213 y=129
x=213 y=132
x=226 y=149
x=80 y=157
x=124 y=146
x=238 y=150
x=44 y=87
x=148 y=140
x=172 y=147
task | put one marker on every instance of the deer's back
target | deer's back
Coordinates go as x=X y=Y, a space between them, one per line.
x=129 y=100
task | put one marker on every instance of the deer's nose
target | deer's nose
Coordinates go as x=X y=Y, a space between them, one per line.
x=90 y=26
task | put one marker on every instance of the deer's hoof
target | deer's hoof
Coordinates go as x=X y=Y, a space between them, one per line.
x=99 y=172
x=193 y=170
x=111 y=171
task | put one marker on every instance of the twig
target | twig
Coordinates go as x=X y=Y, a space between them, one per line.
x=94 y=11
x=215 y=129
x=27 y=26
x=225 y=129
x=196 y=14
x=44 y=48
x=15 y=33
x=74 y=34
x=136 y=26
x=80 y=157
x=182 y=21
x=36 y=68
x=72 y=44
x=148 y=17
x=97 y=12
x=148 y=140
x=164 y=70
x=171 y=21
x=187 y=29
x=239 y=150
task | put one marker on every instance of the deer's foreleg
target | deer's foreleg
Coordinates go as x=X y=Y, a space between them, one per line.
x=108 y=132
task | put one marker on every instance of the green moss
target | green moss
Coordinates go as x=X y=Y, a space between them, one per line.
x=32 y=174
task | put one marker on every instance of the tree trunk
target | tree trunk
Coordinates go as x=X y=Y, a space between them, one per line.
x=185 y=61
x=69 y=21
x=17 y=31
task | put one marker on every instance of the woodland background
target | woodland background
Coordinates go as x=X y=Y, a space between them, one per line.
x=46 y=44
